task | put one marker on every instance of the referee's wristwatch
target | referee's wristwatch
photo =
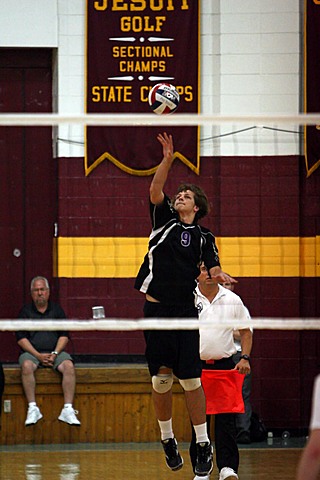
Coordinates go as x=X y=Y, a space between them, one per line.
x=54 y=353
x=245 y=357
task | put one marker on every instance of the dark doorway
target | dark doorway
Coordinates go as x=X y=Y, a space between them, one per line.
x=28 y=183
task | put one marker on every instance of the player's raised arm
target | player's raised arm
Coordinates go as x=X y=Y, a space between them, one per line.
x=160 y=177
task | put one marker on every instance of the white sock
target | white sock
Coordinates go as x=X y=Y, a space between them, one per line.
x=32 y=404
x=201 y=433
x=166 y=429
x=67 y=405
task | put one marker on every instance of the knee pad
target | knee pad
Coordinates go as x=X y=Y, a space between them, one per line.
x=190 y=384
x=162 y=383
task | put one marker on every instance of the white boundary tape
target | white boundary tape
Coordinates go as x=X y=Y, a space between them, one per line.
x=150 y=119
x=158 y=324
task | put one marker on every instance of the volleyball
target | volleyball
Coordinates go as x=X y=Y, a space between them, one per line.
x=164 y=98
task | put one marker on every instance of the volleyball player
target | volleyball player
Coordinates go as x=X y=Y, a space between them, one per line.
x=167 y=277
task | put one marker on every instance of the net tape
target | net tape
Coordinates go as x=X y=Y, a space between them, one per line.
x=112 y=324
x=10 y=119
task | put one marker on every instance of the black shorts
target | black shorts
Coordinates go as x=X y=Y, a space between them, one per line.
x=175 y=349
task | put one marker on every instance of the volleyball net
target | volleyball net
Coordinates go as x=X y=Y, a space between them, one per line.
x=250 y=256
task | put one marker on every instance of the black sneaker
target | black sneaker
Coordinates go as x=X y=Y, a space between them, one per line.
x=204 y=463
x=173 y=457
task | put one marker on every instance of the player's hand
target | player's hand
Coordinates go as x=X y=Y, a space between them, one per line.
x=223 y=278
x=167 y=145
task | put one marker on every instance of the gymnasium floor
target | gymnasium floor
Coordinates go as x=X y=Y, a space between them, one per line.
x=275 y=459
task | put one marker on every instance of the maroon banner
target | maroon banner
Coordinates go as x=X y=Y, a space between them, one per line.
x=312 y=82
x=132 y=46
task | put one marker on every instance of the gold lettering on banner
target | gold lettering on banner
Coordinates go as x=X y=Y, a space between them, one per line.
x=98 y=6
x=317 y=2
x=109 y=93
x=141 y=24
x=119 y=93
x=142 y=51
x=139 y=5
x=185 y=91
x=142 y=67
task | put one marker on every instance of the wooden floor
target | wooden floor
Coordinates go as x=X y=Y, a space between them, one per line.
x=132 y=462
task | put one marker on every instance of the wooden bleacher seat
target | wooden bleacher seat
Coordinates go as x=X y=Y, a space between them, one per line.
x=114 y=403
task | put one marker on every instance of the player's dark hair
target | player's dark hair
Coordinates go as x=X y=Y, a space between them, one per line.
x=200 y=198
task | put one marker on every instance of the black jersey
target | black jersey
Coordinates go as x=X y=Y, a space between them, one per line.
x=46 y=340
x=176 y=249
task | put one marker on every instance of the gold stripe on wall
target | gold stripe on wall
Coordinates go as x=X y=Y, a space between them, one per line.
x=120 y=257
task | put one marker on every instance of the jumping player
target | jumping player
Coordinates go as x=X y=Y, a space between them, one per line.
x=167 y=277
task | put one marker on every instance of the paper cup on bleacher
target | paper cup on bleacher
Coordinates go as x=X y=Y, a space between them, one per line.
x=98 y=312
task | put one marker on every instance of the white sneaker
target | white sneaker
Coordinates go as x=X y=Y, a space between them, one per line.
x=69 y=471
x=227 y=473
x=202 y=478
x=68 y=415
x=33 y=471
x=33 y=415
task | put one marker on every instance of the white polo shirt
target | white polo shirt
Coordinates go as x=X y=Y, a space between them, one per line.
x=216 y=342
x=238 y=342
x=315 y=414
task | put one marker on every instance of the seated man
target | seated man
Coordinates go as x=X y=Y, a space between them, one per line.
x=45 y=349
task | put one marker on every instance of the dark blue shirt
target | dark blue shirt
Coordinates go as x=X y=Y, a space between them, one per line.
x=42 y=341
